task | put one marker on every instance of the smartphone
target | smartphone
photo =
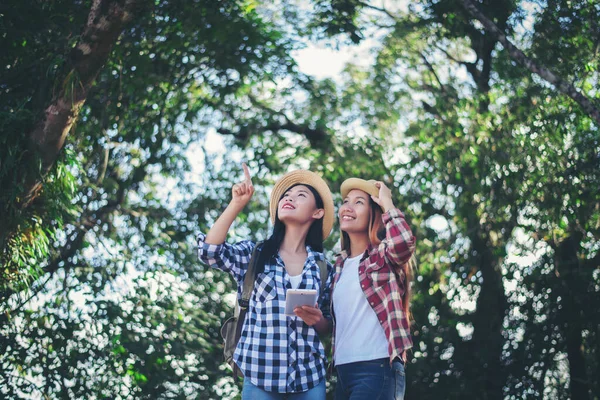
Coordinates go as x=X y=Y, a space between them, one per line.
x=298 y=298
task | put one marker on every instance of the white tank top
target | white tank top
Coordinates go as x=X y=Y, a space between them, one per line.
x=295 y=281
x=358 y=333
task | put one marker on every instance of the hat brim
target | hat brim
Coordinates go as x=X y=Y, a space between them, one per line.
x=304 y=177
x=357 y=183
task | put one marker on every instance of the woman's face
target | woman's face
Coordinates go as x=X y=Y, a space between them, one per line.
x=355 y=212
x=298 y=205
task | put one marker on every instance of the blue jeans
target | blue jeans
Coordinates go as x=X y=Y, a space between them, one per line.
x=251 y=392
x=370 y=380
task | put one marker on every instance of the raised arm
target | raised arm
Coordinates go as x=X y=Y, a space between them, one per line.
x=399 y=243
x=241 y=193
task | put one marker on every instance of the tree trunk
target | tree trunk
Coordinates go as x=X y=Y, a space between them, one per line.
x=567 y=265
x=488 y=372
x=105 y=23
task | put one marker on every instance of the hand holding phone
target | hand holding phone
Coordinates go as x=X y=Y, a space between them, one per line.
x=298 y=298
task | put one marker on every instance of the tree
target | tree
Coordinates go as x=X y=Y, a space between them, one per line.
x=187 y=65
x=488 y=161
x=483 y=154
x=102 y=221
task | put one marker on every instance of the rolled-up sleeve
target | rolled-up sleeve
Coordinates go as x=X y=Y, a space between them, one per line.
x=231 y=258
x=399 y=243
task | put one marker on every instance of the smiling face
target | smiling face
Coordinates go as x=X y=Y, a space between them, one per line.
x=355 y=212
x=298 y=205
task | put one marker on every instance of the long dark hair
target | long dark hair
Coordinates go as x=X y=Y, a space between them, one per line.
x=314 y=237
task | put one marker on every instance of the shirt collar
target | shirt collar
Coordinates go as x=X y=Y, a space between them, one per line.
x=344 y=254
x=312 y=256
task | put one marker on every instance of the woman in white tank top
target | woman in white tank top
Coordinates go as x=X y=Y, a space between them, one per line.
x=371 y=293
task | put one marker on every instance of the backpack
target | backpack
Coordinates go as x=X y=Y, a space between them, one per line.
x=231 y=329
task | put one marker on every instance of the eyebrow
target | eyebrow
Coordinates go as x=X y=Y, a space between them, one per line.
x=355 y=198
x=299 y=190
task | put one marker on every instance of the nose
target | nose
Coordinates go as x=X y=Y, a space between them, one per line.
x=345 y=207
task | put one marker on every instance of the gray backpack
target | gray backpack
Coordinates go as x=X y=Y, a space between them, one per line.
x=231 y=329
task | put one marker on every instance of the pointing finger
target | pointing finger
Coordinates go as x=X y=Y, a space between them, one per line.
x=246 y=173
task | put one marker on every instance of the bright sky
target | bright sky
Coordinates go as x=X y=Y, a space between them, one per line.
x=323 y=62
x=319 y=61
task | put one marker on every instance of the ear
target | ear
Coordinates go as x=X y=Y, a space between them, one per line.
x=319 y=213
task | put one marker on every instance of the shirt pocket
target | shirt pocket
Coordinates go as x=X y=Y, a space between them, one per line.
x=265 y=289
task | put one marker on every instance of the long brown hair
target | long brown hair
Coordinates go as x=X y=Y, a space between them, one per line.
x=376 y=231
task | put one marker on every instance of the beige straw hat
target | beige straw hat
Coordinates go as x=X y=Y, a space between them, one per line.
x=357 y=183
x=304 y=177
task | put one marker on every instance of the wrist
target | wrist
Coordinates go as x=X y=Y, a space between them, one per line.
x=323 y=325
x=387 y=206
x=236 y=206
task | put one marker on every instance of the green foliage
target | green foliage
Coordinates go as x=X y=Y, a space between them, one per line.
x=32 y=63
x=492 y=155
x=169 y=66
x=497 y=172
x=105 y=215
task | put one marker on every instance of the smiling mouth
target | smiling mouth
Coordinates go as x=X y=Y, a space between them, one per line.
x=348 y=218
x=288 y=207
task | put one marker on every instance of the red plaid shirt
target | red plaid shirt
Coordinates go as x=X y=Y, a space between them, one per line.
x=382 y=277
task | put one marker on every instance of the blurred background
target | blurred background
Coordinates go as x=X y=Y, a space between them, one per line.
x=124 y=124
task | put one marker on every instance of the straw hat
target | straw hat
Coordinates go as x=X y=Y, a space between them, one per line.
x=304 y=177
x=357 y=183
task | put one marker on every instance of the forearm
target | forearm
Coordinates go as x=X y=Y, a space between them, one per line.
x=218 y=232
x=323 y=327
x=399 y=242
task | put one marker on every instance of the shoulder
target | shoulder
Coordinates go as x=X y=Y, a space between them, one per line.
x=318 y=257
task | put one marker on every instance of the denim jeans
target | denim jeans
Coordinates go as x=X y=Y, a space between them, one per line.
x=370 y=380
x=251 y=392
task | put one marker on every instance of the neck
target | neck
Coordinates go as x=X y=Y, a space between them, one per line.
x=358 y=243
x=294 y=239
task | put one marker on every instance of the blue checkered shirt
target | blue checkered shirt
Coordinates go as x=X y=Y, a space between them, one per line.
x=276 y=352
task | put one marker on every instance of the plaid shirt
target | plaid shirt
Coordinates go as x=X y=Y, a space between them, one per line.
x=277 y=353
x=382 y=278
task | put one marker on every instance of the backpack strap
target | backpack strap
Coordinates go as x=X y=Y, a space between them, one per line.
x=325 y=309
x=248 y=286
x=323 y=271
x=244 y=302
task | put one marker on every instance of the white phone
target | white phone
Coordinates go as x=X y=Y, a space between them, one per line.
x=298 y=298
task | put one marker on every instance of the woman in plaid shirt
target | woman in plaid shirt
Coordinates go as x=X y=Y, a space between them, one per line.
x=370 y=294
x=281 y=357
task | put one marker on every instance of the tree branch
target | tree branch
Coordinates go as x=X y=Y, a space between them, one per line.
x=380 y=9
x=105 y=23
x=470 y=66
x=516 y=54
x=276 y=121
x=5 y=315
x=435 y=75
